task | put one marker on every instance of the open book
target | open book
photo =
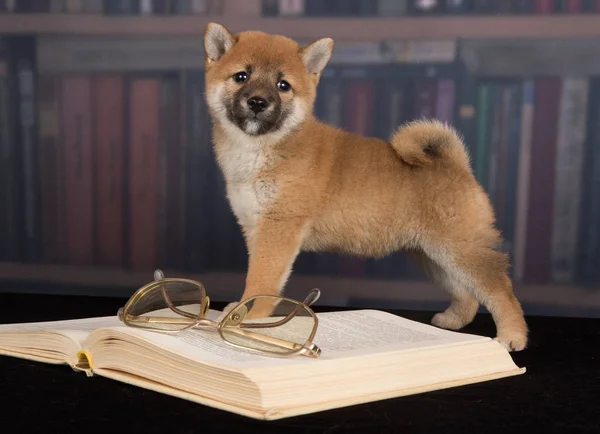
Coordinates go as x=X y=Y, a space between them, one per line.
x=367 y=355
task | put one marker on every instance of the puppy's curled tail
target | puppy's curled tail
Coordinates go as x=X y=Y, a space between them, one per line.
x=425 y=142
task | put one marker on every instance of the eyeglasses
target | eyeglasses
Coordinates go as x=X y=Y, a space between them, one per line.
x=264 y=324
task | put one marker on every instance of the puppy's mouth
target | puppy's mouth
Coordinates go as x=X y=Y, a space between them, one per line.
x=256 y=120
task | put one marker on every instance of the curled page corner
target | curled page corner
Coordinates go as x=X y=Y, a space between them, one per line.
x=85 y=363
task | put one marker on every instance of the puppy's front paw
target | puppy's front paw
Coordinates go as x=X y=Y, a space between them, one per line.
x=516 y=342
x=448 y=320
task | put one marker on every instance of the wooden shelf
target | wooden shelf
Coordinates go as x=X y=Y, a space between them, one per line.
x=335 y=291
x=348 y=29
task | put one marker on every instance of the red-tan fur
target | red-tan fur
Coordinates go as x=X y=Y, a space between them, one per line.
x=312 y=187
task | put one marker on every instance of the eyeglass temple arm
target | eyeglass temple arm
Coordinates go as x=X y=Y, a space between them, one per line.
x=167 y=320
x=275 y=341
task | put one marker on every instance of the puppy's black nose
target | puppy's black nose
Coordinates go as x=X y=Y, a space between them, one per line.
x=257 y=104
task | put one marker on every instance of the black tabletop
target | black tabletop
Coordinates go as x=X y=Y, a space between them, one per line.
x=559 y=393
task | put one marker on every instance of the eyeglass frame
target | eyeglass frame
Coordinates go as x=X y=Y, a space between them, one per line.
x=233 y=318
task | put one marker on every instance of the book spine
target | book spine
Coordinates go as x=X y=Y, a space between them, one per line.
x=57 y=6
x=172 y=161
x=76 y=116
x=541 y=187
x=122 y=7
x=588 y=6
x=24 y=7
x=270 y=8
x=569 y=167
x=162 y=222
x=367 y=8
x=344 y=7
x=9 y=217
x=466 y=113
x=589 y=250
x=109 y=129
x=200 y=7
x=182 y=7
x=523 y=180
x=544 y=7
x=514 y=133
x=426 y=96
x=146 y=7
x=291 y=7
x=197 y=189
x=143 y=172
x=27 y=89
x=457 y=7
x=93 y=6
x=504 y=6
x=41 y=6
x=484 y=7
x=161 y=7
x=483 y=134
x=388 y=8
x=49 y=172
x=444 y=109
x=418 y=7
x=523 y=7
x=5 y=145
x=74 y=6
x=574 y=6
x=10 y=5
x=495 y=138
x=502 y=164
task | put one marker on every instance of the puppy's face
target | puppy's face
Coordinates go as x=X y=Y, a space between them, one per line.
x=256 y=102
x=261 y=83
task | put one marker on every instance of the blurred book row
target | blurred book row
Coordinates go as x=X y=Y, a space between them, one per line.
x=386 y=8
x=113 y=7
x=308 y=8
x=107 y=159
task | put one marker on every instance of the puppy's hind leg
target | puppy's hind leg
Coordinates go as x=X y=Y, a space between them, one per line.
x=463 y=307
x=482 y=272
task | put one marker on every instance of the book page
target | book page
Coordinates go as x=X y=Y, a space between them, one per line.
x=360 y=332
x=339 y=335
x=76 y=329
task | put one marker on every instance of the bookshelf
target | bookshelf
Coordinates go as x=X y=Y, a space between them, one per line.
x=307 y=28
x=536 y=30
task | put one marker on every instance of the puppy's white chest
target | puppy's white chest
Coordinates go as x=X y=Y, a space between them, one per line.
x=245 y=203
x=247 y=193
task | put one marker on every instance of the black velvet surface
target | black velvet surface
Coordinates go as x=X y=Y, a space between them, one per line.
x=559 y=393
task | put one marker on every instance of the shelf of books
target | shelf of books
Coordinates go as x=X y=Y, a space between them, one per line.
x=309 y=19
x=107 y=169
x=341 y=29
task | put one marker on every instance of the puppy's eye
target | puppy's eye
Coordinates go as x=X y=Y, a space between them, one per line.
x=240 y=77
x=283 y=85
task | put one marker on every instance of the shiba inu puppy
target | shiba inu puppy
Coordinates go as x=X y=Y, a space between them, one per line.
x=296 y=184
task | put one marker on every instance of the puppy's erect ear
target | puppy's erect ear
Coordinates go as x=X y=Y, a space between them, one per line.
x=316 y=55
x=217 y=41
